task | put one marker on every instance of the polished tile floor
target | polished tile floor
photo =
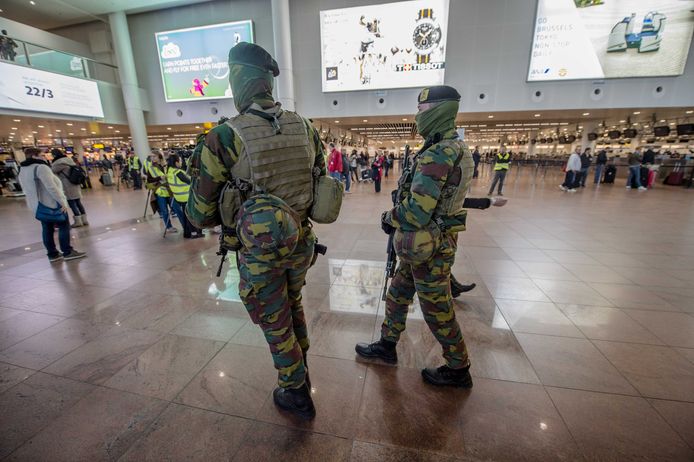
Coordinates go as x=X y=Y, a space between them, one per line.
x=581 y=333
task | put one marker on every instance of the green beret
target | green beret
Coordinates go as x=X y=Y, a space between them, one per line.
x=250 y=54
x=437 y=94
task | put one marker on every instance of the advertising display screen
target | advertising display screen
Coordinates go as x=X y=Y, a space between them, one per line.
x=395 y=45
x=194 y=61
x=603 y=39
x=30 y=89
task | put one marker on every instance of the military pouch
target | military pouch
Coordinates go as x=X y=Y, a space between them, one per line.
x=327 y=199
x=230 y=201
x=455 y=223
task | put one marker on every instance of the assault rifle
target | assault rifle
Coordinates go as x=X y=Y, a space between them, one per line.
x=396 y=196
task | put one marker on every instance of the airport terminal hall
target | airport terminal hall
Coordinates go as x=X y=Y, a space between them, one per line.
x=346 y=230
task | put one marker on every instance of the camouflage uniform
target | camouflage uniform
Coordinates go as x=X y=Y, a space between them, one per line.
x=429 y=177
x=429 y=215
x=270 y=288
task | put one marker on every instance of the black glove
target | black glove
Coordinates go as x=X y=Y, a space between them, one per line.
x=385 y=226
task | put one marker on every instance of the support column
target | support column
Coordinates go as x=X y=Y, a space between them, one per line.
x=281 y=31
x=128 y=81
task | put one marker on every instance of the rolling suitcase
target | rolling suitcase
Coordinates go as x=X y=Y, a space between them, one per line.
x=366 y=175
x=651 y=178
x=106 y=179
x=610 y=174
x=676 y=177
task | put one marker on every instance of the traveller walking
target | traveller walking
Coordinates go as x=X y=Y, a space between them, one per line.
x=600 y=162
x=45 y=197
x=71 y=177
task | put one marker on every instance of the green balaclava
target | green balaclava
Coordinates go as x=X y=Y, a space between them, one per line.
x=251 y=76
x=440 y=118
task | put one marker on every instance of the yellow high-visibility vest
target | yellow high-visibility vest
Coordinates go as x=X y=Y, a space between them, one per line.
x=502 y=161
x=156 y=172
x=179 y=189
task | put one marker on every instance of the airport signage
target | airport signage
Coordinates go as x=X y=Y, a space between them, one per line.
x=394 y=45
x=601 y=39
x=29 y=89
x=194 y=61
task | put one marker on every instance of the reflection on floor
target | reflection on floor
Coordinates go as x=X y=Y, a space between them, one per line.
x=581 y=333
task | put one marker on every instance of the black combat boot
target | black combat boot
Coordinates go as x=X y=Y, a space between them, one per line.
x=383 y=350
x=295 y=400
x=445 y=376
x=457 y=288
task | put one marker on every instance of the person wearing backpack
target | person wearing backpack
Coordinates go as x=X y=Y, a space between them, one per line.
x=45 y=197
x=64 y=168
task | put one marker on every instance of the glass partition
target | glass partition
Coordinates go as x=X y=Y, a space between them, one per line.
x=40 y=57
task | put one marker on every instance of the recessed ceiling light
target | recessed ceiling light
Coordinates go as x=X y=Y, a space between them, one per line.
x=365 y=120
x=14 y=128
x=537 y=115
x=40 y=126
x=32 y=2
x=50 y=134
x=490 y=116
x=688 y=112
x=58 y=131
x=16 y=120
x=337 y=121
x=69 y=124
x=168 y=128
x=109 y=127
x=197 y=126
x=83 y=129
x=637 y=112
x=622 y=121
x=117 y=131
x=34 y=133
x=586 y=113
x=662 y=120
x=404 y=119
x=93 y=133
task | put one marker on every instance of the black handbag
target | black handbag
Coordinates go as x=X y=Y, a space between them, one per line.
x=45 y=213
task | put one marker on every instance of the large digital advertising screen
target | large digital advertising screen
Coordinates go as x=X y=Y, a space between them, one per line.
x=604 y=39
x=194 y=62
x=30 y=89
x=394 y=45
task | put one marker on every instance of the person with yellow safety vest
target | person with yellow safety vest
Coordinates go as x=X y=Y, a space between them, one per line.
x=503 y=160
x=179 y=184
x=155 y=170
x=134 y=168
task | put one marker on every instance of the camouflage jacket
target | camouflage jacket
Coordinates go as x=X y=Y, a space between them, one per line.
x=220 y=148
x=431 y=169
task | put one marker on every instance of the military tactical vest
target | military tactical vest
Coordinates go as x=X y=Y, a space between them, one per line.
x=276 y=160
x=457 y=183
x=179 y=189
x=502 y=161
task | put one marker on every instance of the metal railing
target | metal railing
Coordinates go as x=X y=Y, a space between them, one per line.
x=29 y=54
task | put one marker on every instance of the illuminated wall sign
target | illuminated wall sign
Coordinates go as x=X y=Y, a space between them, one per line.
x=394 y=45
x=30 y=89
x=597 y=39
x=194 y=62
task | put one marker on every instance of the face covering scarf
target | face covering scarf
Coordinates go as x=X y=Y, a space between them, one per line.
x=250 y=84
x=438 y=119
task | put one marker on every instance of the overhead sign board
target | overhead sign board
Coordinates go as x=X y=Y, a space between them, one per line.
x=394 y=45
x=29 y=89
x=602 y=39
x=194 y=61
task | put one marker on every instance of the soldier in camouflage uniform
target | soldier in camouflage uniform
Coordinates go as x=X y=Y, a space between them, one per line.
x=276 y=153
x=426 y=221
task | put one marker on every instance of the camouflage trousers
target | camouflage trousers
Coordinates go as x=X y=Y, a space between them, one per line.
x=431 y=282
x=271 y=292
